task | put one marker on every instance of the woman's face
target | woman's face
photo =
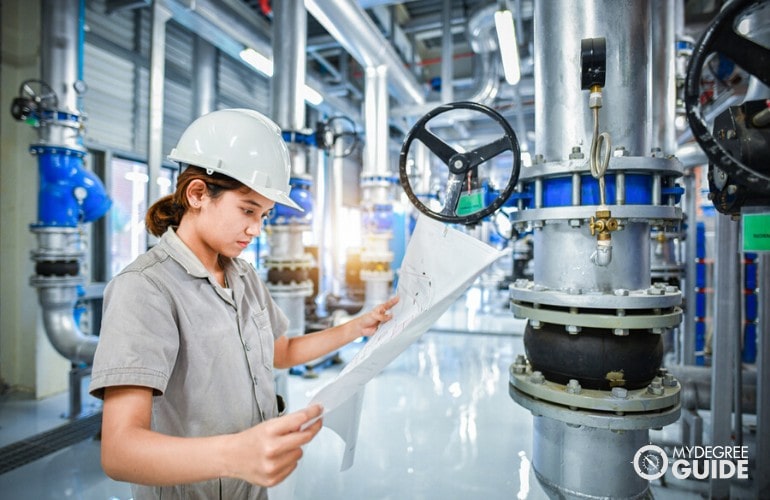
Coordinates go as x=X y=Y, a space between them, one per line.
x=228 y=223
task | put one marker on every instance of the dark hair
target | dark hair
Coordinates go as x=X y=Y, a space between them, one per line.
x=168 y=211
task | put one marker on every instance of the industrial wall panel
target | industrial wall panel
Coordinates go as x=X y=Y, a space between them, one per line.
x=141 y=111
x=108 y=101
x=240 y=86
x=177 y=113
x=179 y=46
x=118 y=26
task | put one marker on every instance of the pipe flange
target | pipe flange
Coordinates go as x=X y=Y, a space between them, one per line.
x=55 y=281
x=303 y=289
x=656 y=322
x=659 y=215
x=595 y=419
x=657 y=296
x=657 y=396
x=277 y=263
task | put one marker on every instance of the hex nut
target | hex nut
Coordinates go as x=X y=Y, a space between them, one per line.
x=619 y=392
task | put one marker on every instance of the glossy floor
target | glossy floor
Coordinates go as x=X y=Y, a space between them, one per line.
x=437 y=423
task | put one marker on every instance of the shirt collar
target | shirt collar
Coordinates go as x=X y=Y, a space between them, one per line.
x=181 y=253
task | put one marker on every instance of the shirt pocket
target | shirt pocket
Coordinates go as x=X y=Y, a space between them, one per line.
x=261 y=319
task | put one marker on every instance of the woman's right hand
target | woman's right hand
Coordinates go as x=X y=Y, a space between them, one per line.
x=268 y=452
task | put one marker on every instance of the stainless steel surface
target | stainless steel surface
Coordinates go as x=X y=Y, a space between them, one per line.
x=727 y=323
x=376 y=159
x=289 y=63
x=563 y=117
x=204 y=77
x=562 y=258
x=663 y=80
x=599 y=460
x=59 y=54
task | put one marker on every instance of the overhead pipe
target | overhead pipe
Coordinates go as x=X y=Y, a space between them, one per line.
x=230 y=32
x=350 y=25
x=486 y=68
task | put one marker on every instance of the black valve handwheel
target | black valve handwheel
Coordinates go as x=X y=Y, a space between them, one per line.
x=462 y=165
x=721 y=36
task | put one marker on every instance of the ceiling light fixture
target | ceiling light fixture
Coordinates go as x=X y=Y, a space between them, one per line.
x=509 y=48
x=265 y=66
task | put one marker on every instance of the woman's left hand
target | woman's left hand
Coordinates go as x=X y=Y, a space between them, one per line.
x=380 y=314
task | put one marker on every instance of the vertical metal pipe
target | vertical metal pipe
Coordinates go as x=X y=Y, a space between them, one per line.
x=204 y=77
x=559 y=27
x=160 y=15
x=762 y=470
x=377 y=159
x=447 y=50
x=663 y=75
x=726 y=327
x=289 y=61
x=620 y=188
x=59 y=64
x=576 y=187
x=690 y=269
x=338 y=173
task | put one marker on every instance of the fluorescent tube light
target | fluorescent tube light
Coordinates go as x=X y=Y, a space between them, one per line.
x=312 y=96
x=257 y=61
x=265 y=66
x=509 y=49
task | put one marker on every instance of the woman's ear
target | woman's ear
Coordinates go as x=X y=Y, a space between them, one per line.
x=196 y=192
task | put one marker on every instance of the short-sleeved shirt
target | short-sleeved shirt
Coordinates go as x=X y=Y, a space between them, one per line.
x=207 y=353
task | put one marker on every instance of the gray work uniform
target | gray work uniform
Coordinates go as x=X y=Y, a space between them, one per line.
x=168 y=325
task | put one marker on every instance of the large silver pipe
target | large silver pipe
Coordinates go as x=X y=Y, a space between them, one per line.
x=696 y=387
x=59 y=41
x=349 y=24
x=377 y=160
x=447 y=53
x=204 y=76
x=663 y=75
x=289 y=58
x=563 y=117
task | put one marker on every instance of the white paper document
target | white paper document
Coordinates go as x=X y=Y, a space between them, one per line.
x=439 y=265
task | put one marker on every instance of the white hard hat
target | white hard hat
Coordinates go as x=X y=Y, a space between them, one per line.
x=242 y=144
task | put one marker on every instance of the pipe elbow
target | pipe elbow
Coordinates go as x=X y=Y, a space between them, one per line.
x=602 y=256
x=58 y=306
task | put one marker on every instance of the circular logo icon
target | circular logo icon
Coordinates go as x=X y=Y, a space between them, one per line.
x=650 y=462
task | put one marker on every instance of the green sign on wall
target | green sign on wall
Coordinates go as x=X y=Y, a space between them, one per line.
x=756 y=232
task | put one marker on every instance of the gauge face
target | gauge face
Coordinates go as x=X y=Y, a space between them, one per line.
x=650 y=462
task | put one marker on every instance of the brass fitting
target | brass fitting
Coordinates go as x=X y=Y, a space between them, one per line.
x=602 y=224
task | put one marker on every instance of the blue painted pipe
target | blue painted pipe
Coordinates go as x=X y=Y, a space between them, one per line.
x=69 y=194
